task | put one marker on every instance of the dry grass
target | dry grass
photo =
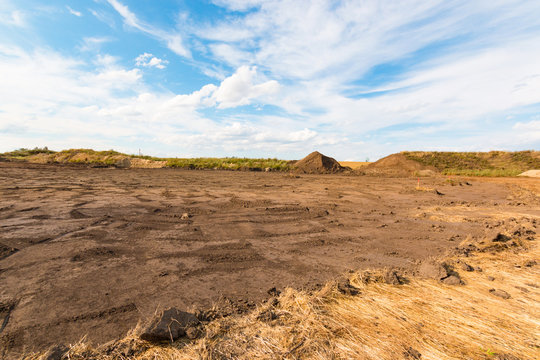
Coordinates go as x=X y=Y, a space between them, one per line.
x=354 y=164
x=383 y=322
x=490 y=164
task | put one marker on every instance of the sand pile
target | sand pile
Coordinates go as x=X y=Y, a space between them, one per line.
x=317 y=163
x=398 y=165
x=147 y=164
x=531 y=173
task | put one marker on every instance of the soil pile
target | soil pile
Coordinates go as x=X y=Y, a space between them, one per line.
x=531 y=173
x=317 y=163
x=398 y=165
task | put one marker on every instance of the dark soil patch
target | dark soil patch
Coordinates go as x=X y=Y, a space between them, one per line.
x=317 y=163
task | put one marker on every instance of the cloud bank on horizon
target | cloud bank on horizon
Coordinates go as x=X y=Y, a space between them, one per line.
x=270 y=78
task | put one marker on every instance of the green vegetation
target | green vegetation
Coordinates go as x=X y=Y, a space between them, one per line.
x=483 y=172
x=493 y=163
x=111 y=157
x=91 y=152
x=23 y=153
x=230 y=163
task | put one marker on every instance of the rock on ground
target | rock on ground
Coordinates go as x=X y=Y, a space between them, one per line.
x=432 y=270
x=171 y=324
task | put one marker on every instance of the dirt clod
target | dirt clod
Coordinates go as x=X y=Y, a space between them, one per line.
x=501 y=238
x=411 y=353
x=452 y=280
x=273 y=292
x=267 y=316
x=185 y=216
x=170 y=325
x=345 y=287
x=432 y=270
x=77 y=214
x=500 y=293
x=531 y=263
x=392 y=277
x=6 y=251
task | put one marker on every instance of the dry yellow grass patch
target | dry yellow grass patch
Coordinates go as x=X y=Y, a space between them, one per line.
x=354 y=164
x=383 y=322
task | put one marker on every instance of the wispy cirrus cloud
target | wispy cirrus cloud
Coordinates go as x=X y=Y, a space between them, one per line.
x=93 y=43
x=173 y=40
x=13 y=18
x=74 y=12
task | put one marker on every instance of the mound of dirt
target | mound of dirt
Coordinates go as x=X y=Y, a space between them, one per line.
x=531 y=173
x=317 y=163
x=147 y=164
x=398 y=165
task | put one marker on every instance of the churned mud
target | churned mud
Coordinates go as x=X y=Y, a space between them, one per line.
x=90 y=252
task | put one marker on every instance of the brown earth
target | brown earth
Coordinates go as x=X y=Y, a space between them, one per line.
x=397 y=165
x=317 y=163
x=92 y=251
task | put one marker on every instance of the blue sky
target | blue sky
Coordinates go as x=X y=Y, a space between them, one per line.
x=352 y=79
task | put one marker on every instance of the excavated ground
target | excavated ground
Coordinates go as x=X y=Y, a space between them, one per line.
x=93 y=251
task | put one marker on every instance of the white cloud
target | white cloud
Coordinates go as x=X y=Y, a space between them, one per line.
x=93 y=43
x=74 y=12
x=477 y=64
x=529 y=132
x=149 y=60
x=103 y=17
x=117 y=78
x=13 y=18
x=323 y=61
x=59 y=102
x=173 y=40
x=239 y=88
x=238 y=5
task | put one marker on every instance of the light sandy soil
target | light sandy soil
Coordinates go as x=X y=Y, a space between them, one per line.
x=354 y=164
x=92 y=251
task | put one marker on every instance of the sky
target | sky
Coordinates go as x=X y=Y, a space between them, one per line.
x=354 y=80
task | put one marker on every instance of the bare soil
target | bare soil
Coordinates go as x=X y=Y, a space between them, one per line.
x=89 y=251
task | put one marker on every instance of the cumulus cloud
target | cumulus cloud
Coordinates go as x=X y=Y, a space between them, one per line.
x=149 y=60
x=63 y=102
x=239 y=88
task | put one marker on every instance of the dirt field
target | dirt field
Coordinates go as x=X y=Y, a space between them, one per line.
x=92 y=251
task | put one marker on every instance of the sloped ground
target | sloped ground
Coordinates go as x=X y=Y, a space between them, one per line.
x=397 y=165
x=429 y=163
x=493 y=163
